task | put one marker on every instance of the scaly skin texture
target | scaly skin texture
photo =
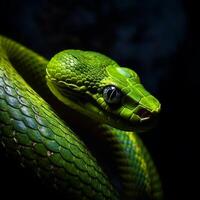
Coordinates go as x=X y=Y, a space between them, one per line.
x=137 y=172
x=33 y=134
x=75 y=73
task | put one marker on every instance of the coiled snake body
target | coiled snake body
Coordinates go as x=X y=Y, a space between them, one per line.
x=95 y=88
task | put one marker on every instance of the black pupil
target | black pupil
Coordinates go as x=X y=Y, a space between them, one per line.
x=112 y=95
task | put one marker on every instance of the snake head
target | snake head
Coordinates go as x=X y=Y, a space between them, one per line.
x=125 y=96
x=98 y=87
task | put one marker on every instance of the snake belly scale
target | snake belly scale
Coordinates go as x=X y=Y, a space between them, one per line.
x=96 y=87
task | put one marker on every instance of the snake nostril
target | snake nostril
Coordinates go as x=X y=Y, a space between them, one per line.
x=144 y=114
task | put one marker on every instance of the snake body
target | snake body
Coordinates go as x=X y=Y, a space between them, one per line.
x=96 y=88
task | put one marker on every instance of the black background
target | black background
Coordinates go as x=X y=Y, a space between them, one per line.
x=158 y=39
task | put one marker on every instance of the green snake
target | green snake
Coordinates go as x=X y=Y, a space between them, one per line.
x=89 y=96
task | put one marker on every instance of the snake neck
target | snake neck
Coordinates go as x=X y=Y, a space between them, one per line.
x=133 y=171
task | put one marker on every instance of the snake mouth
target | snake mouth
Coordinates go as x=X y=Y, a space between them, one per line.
x=144 y=114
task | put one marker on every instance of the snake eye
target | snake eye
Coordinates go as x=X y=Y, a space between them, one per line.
x=112 y=95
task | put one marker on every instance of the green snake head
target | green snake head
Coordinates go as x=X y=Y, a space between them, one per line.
x=98 y=87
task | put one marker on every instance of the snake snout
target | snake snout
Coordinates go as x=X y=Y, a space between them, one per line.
x=149 y=108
